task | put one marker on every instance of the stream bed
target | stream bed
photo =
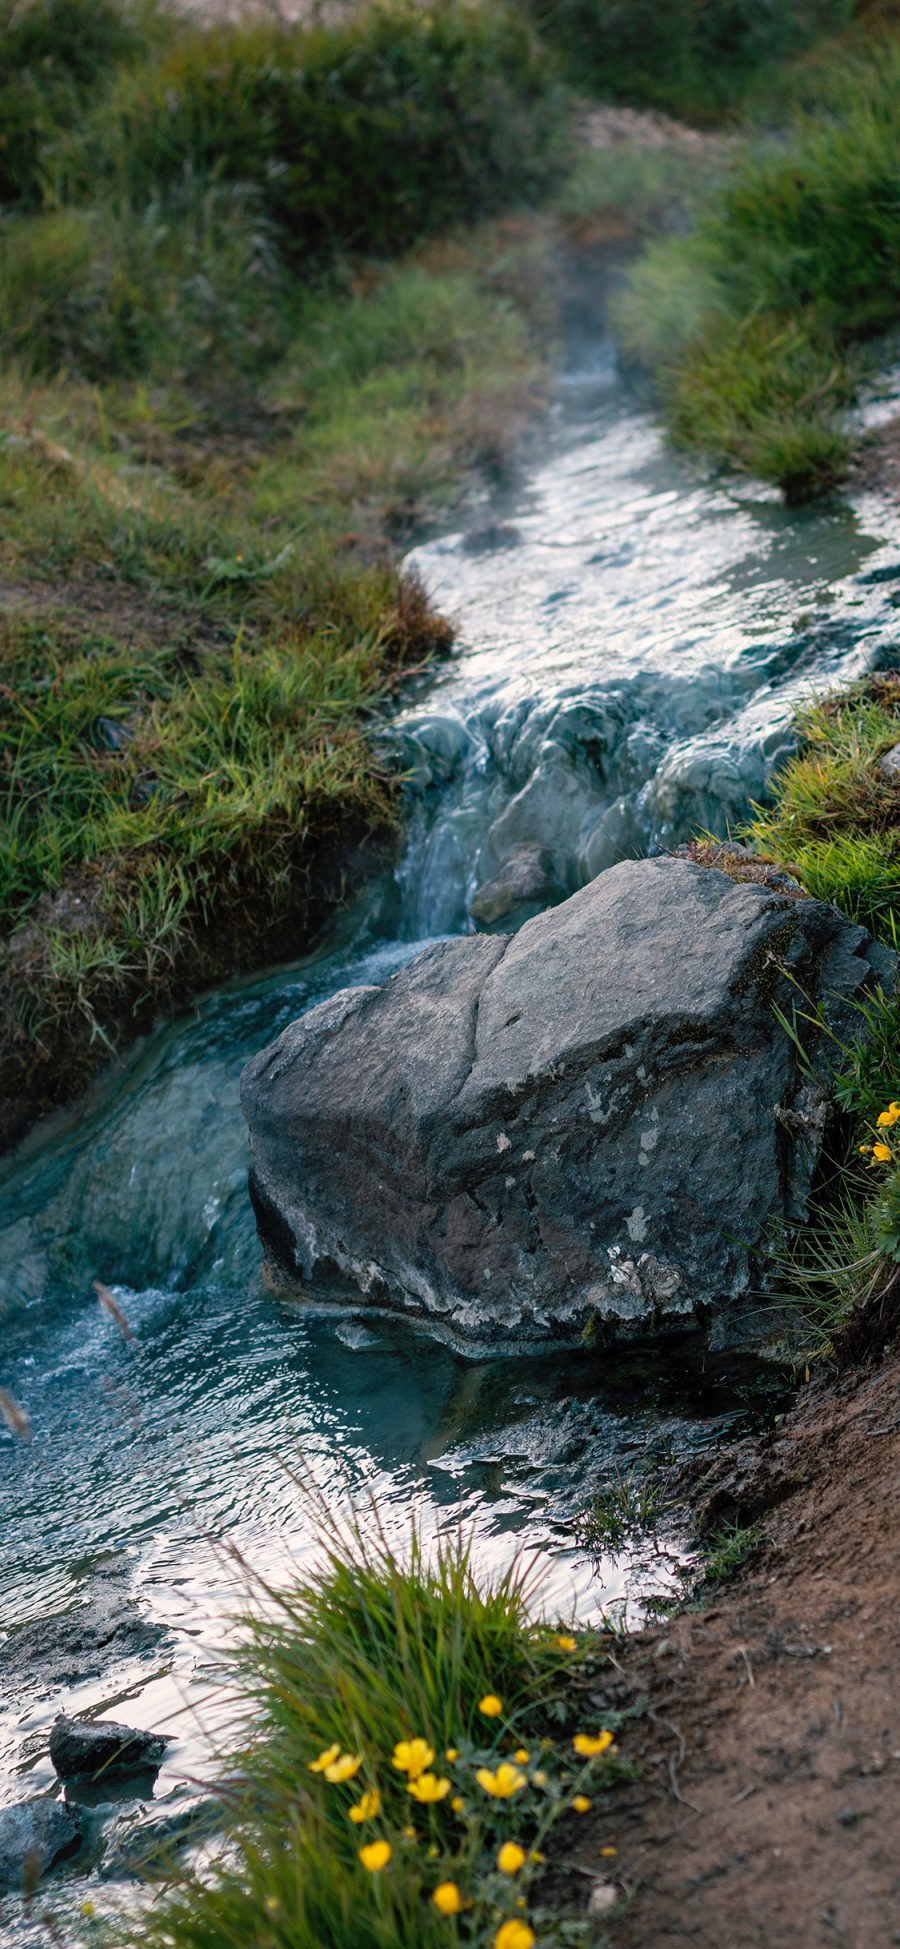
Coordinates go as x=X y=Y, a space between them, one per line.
x=634 y=634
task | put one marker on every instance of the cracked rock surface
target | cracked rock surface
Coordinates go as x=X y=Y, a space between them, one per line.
x=596 y=1120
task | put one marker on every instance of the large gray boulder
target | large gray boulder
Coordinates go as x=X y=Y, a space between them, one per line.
x=599 y=1119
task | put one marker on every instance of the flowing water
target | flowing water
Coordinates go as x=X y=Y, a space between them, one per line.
x=633 y=635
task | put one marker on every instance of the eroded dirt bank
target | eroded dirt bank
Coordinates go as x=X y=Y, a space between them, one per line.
x=768 y=1800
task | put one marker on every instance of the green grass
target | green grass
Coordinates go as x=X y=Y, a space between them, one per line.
x=754 y=322
x=835 y=823
x=205 y=617
x=364 y=134
x=370 y=1652
x=57 y=58
x=627 y=1510
x=727 y=1550
x=697 y=58
x=836 y=814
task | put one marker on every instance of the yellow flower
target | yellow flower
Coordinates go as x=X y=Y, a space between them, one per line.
x=511 y=1858
x=367 y=1807
x=451 y=1754
x=581 y=1803
x=540 y=1779
x=889 y=1116
x=607 y=1853
x=515 y=1935
x=413 y=1756
x=881 y=1153
x=88 y=1909
x=325 y=1759
x=536 y=1855
x=428 y=1788
x=564 y=1643
x=490 y=1705
x=447 y=1898
x=273 y=1905
x=522 y=1755
x=504 y=1783
x=343 y=1769
x=865 y=1150
x=457 y=1803
x=589 y=1745
x=410 y=1833
x=376 y=1855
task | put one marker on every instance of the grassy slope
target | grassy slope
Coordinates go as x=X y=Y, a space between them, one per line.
x=212 y=440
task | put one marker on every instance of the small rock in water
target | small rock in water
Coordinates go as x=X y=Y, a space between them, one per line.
x=524 y=885
x=33 y=1835
x=353 y=1335
x=80 y=1747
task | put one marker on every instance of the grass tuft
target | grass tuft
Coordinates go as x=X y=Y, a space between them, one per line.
x=370 y=1652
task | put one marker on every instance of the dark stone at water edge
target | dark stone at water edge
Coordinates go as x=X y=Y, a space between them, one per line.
x=33 y=1835
x=600 y=1119
x=92 y=1748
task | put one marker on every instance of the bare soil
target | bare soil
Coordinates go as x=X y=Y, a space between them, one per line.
x=767 y=1807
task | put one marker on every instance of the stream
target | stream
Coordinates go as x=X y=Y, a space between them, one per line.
x=634 y=632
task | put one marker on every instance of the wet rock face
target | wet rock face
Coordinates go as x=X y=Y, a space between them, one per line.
x=87 y=1748
x=33 y=1835
x=597 y=1119
x=522 y=887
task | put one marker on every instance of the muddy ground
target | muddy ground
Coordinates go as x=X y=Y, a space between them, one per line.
x=767 y=1807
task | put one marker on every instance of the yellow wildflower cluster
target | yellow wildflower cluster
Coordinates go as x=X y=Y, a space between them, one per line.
x=881 y=1152
x=505 y=1779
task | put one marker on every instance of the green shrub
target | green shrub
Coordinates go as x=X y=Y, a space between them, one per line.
x=695 y=56
x=55 y=55
x=103 y=293
x=365 y=134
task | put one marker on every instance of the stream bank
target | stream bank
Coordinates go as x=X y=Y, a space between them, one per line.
x=768 y=1741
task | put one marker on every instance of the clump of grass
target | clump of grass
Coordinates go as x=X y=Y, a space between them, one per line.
x=754 y=320
x=726 y=1551
x=365 y=133
x=697 y=59
x=421 y=1743
x=835 y=823
x=836 y=813
x=627 y=1510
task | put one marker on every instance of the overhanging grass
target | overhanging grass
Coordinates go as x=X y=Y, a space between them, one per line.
x=369 y=1653
x=754 y=320
x=835 y=823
